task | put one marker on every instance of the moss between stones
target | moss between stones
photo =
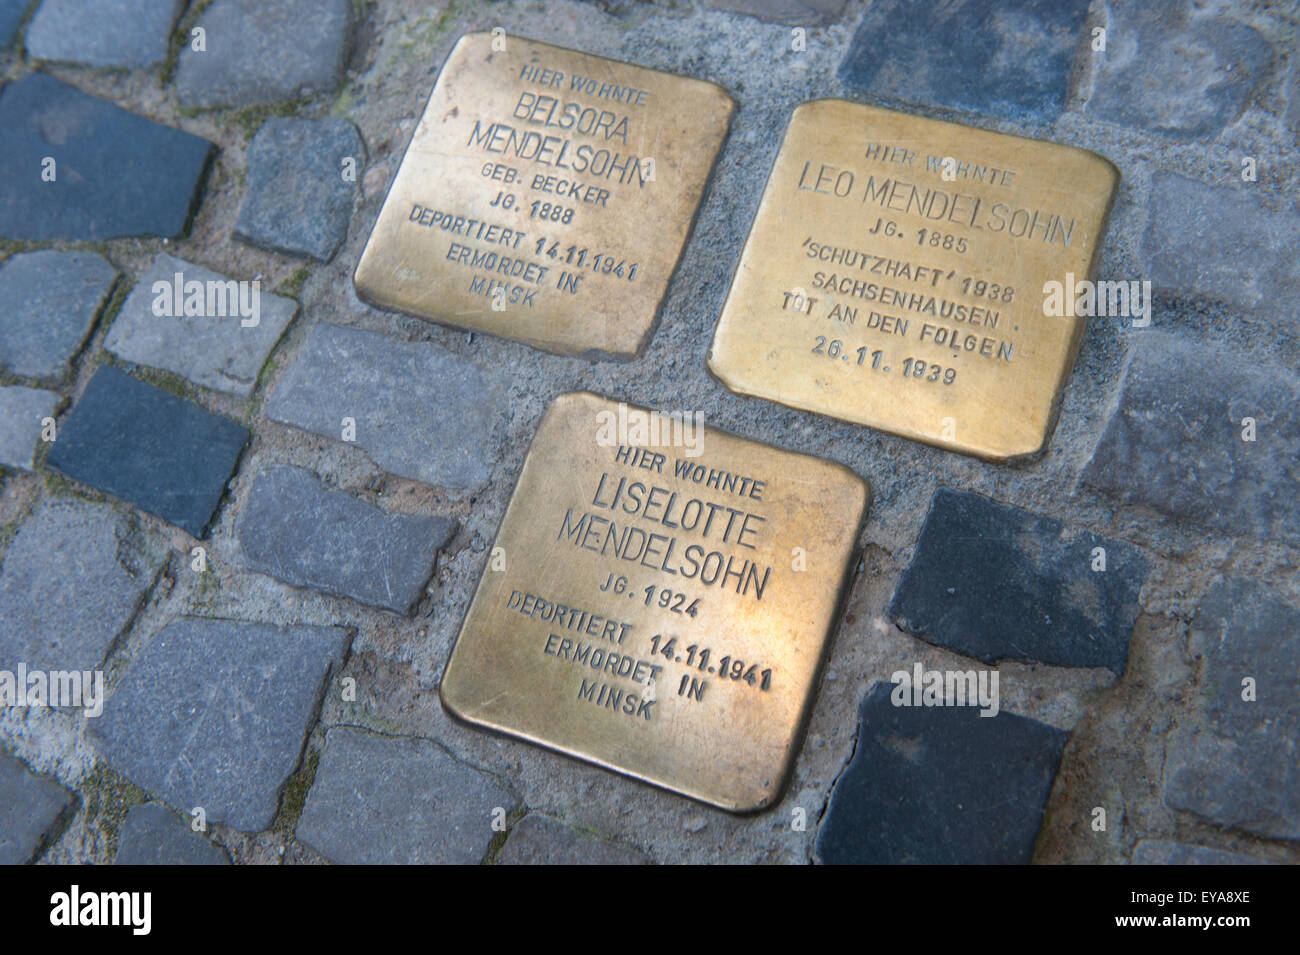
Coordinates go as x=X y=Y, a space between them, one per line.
x=295 y=795
x=292 y=286
x=493 y=854
x=107 y=796
x=249 y=119
x=179 y=39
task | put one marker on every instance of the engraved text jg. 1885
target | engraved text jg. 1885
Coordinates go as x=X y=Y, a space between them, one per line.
x=895 y=277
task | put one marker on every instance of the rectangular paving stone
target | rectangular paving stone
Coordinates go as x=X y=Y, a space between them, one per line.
x=792 y=12
x=940 y=786
x=215 y=348
x=296 y=530
x=21 y=412
x=213 y=713
x=399 y=800
x=1223 y=242
x=1169 y=852
x=121 y=33
x=1009 y=59
x=165 y=455
x=116 y=174
x=297 y=200
x=152 y=835
x=1174 y=441
x=11 y=15
x=1235 y=763
x=996 y=582
x=540 y=840
x=421 y=412
x=1176 y=71
x=73 y=578
x=260 y=52
x=49 y=302
x=32 y=811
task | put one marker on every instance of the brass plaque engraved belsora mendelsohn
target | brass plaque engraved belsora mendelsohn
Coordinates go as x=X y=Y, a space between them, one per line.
x=545 y=196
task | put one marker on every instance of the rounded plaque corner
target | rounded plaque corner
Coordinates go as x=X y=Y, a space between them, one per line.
x=447 y=698
x=1027 y=451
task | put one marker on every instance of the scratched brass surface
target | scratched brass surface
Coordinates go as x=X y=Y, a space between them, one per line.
x=546 y=195
x=762 y=609
x=874 y=290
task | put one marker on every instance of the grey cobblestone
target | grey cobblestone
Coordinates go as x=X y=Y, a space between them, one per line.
x=122 y=175
x=1235 y=764
x=1169 y=852
x=21 y=412
x=215 y=349
x=123 y=33
x=969 y=54
x=49 y=301
x=166 y=455
x=420 y=411
x=72 y=579
x=261 y=52
x=31 y=808
x=213 y=714
x=1175 y=70
x=385 y=800
x=294 y=529
x=299 y=200
x=940 y=785
x=1177 y=446
x=996 y=582
x=540 y=840
x=152 y=835
x=1192 y=225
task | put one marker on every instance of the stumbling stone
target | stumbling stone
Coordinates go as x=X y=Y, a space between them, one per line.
x=32 y=810
x=940 y=785
x=294 y=529
x=419 y=411
x=22 y=412
x=122 y=33
x=165 y=455
x=1220 y=456
x=217 y=333
x=540 y=840
x=1189 y=224
x=73 y=578
x=383 y=800
x=1004 y=59
x=1168 y=852
x=1234 y=764
x=77 y=167
x=996 y=582
x=791 y=12
x=151 y=835
x=300 y=195
x=1175 y=72
x=213 y=714
x=258 y=52
x=49 y=301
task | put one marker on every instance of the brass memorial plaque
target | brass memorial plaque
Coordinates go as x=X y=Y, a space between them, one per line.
x=546 y=195
x=895 y=277
x=659 y=600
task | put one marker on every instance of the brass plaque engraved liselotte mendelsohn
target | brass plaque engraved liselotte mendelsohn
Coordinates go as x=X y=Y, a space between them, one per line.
x=659 y=600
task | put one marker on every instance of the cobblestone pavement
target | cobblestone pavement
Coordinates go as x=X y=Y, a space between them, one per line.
x=272 y=607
